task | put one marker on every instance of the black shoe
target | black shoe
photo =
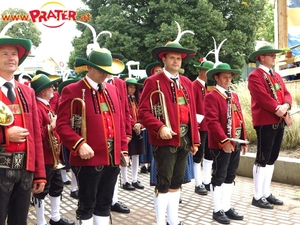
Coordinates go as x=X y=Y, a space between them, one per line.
x=201 y=190
x=180 y=223
x=62 y=221
x=180 y=200
x=138 y=185
x=232 y=214
x=144 y=169
x=74 y=194
x=262 y=203
x=120 y=208
x=273 y=200
x=221 y=217
x=207 y=186
x=128 y=187
x=67 y=182
x=149 y=169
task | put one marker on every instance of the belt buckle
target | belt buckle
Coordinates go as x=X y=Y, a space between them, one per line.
x=12 y=160
x=183 y=130
x=110 y=144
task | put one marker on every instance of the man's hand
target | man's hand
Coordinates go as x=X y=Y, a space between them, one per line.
x=166 y=133
x=281 y=110
x=194 y=150
x=38 y=187
x=85 y=151
x=17 y=134
x=244 y=149
x=228 y=148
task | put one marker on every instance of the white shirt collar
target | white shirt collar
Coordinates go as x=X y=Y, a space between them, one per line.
x=221 y=89
x=201 y=81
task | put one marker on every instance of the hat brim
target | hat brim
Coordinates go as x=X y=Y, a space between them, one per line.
x=159 y=52
x=151 y=66
x=210 y=73
x=65 y=83
x=42 y=87
x=134 y=83
x=254 y=55
x=23 y=46
x=116 y=67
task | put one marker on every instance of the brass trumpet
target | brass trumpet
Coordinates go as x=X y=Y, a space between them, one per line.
x=55 y=148
x=78 y=122
x=159 y=110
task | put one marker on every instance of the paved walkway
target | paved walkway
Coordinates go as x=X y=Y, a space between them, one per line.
x=195 y=209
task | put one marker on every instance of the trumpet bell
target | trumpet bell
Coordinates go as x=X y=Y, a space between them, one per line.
x=6 y=115
x=58 y=166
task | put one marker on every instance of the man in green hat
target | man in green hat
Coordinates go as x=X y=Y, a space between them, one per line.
x=225 y=125
x=172 y=133
x=20 y=140
x=270 y=101
x=200 y=90
x=44 y=89
x=97 y=141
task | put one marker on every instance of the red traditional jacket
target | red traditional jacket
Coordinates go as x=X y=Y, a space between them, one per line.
x=29 y=112
x=121 y=85
x=54 y=101
x=263 y=104
x=216 y=107
x=200 y=92
x=44 y=122
x=152 y=124
x=95 y=130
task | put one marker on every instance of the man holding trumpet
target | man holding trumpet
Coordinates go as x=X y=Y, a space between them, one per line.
x=171 y=137
x=97 y=143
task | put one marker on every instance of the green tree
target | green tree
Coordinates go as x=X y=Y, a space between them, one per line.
x=265 y=29
x=21 y=30
x=139 y=26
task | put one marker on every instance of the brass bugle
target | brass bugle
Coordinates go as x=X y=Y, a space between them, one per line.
x=78 y=122
x=159 y=110
x=55 y=148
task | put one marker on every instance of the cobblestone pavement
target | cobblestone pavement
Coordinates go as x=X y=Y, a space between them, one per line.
x=194 y=209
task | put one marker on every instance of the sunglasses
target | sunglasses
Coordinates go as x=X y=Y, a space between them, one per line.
x=271 y=55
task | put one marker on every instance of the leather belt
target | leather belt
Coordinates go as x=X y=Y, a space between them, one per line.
x=110 y=144
x=184 y=128
x=14 y=160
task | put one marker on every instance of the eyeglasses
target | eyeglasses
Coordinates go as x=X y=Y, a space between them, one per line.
x=271 y=55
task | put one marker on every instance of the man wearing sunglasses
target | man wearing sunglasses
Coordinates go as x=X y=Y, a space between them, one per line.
x=270 y=101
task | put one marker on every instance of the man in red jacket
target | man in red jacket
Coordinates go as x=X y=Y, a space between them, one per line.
x=173 y=134
x=44 y=89
x=22 y=159
x=96 y=144
x=225 y=121
x=200 y=90
x=270 y=101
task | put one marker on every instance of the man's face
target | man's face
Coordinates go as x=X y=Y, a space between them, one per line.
x=96 y=75
x=268 y=60
x=224 y=79
x=9 y=59
x=157 y=69
x=172 y=62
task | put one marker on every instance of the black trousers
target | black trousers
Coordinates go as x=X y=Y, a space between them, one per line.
x=269 y=139
x=15 y=193
x=171 y=164
x=203 y=149
x=224 y=166
x=54 y=185
x=96 y=187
